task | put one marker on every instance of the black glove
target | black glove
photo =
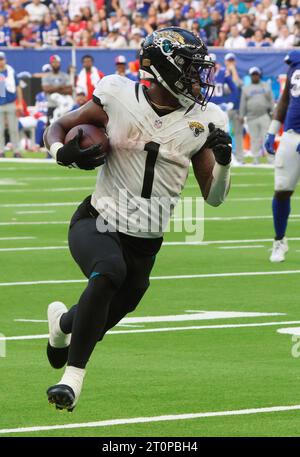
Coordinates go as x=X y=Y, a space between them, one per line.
x=221 y=144
x=87 y=159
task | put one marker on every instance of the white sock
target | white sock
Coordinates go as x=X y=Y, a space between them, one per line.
x=73 y=377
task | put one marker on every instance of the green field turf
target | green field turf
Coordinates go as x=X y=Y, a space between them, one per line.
x=173 y=369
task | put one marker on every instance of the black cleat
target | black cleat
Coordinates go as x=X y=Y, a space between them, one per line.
x=57 y=357
x=62 y=396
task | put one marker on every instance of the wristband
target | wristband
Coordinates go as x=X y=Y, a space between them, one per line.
x=220 y=184
x=54 y=148
x=274 y=127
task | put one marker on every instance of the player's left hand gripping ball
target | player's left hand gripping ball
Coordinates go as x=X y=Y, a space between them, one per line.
x=221 y=144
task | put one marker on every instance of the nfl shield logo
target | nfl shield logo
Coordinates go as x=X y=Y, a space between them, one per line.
x=158 y=124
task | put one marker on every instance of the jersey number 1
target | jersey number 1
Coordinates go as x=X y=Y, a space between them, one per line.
x=152 y=149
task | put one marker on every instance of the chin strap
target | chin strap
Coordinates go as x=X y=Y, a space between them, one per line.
x=183 y=100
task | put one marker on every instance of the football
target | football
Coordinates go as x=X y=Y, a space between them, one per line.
x=91 y=135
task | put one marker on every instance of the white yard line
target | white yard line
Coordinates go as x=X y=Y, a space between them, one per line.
x=166 y=243
x=36 y=248
x=36 y=212
x=29 y=205
x=161 y=330
x=254 y=246
x=149 y=419
x=58 y=189
x=11 y=238
x=198 y=316
x=4 y=224
x=153 y=278
x=176 y=219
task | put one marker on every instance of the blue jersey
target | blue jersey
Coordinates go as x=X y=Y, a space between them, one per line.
x=49 y=34
x=292 y=118
x=222 y=79
x=6 y=96
x=5 y=36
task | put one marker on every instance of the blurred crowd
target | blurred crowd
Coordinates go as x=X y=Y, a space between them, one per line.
x=114 y=24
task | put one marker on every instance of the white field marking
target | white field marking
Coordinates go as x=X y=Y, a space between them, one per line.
x=178 y=219
x=254 y=246
x=58 y=189
x=252 y=199
x=36 y=248
x=159 y=278
x=290 y=331
x=161 y=330
x=59 y=178
x=207 y=243
x=148 y=419
x=29 y=205
x=199 y=316
x=36 y=212
x=196 y=186
x=166 y=243
x=11 y=182
x=3 y=224
x=29 y=161
x=43 y=321
x=8 y=238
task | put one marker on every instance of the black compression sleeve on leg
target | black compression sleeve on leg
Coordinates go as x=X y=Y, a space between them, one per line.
x=90 y=319
x=66 y=320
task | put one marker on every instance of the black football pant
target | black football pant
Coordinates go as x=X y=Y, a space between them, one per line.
x=118 y=267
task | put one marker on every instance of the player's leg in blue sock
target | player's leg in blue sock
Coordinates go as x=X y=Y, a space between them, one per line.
x=281 y=206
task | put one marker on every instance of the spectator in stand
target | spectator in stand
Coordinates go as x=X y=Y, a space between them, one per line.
x=86 y=13
x=8 y=106
x=205 y=18
x=18 y=18
x=36 y=11
x=270 y=8
x=88 y=77
x=235 y=6
x=5 y=32
x=165 y=12
x=212 y=30
x=55 y=82
x=258 y=40
x=247 y=30
x=235 y=40
x=122 y=70
x=285 y=39
x=136 y=38
x=215 y=5
x=5 y=8
x=48 y=32
x=75 y=28
x=76 y=6
x=223 y=33
x=114 y=40
x=29 y=37
x=59 y=7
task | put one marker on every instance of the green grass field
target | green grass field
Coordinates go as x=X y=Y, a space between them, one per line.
x=171 y=366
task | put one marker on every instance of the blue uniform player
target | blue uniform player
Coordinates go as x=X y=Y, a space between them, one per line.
x=224 y=86
x=287 y=158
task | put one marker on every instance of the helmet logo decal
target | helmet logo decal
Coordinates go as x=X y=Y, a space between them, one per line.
x=196 y=127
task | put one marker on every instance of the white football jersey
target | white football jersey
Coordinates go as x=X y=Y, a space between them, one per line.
x=148 y=164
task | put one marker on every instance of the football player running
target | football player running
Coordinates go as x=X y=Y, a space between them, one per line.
x=287 y=158
x=154 y=134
